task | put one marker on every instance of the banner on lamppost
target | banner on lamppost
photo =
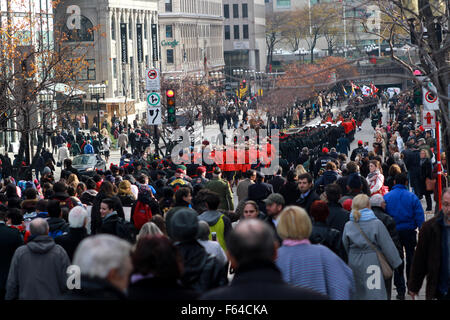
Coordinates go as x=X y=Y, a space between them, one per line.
x=123 y=41
x=140 y=54
x=155 y=42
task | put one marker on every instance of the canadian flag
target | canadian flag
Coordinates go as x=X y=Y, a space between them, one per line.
x=373 y=88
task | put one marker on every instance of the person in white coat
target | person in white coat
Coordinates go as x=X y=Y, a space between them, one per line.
x=63 y=153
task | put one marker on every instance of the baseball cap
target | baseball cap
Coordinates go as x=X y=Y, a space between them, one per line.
x=275 y=198
x=182 y=167
x=325 y=150
x=360 y=142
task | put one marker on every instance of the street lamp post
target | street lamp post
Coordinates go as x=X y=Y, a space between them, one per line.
x=97 y=91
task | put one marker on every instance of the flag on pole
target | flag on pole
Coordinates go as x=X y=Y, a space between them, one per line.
x=373 y=88
x=345 y=91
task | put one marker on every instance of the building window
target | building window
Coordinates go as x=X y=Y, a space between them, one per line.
x=226 y=11
x=245 y=31
x=283 y=3
x=169 y=31
x=227 y=32
x=145 y=29
x=235 y=11
x=236 y=32
x=115 y=68
x=130 y=30
x=168 y=5
x=244 y=10
x=88 y=73
x=113 y=28
x=169 y=53
x=86 y=33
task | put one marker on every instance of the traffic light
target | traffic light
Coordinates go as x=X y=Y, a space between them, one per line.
x=170 y=96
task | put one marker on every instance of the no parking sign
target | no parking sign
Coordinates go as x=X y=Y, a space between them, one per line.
x=430 y=98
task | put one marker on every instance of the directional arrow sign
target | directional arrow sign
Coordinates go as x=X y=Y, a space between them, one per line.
x=154 y=116
x=152 y=80
x=154 y=99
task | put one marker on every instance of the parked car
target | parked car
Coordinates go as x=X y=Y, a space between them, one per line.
x=87 y=164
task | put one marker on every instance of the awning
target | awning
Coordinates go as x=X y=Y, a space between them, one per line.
x=66 y=90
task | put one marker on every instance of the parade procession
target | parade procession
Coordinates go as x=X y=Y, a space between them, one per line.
x=175 y=151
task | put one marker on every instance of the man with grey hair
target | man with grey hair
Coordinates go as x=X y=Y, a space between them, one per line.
x=378 y=206
x=38 y=269
x=252 y=250
x=212 y=247
x=105 y=265
x=78 y=219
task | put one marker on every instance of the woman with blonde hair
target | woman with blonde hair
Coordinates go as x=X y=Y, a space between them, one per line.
x=299 y=170
x=149 y=229
x=308 y=265
x=362 y=258
x=125 y=194
x=73 y=179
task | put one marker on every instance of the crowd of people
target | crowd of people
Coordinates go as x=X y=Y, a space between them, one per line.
x=321 y=227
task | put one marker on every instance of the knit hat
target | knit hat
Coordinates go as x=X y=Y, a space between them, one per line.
x=325 y=150
x=360 y=143
x=347 y=204
x=46 y=170
x=182 y=167
x=184 y=225
x=354 y=181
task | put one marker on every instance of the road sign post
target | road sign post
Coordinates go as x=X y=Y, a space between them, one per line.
x=153 y=82
x=430 y=98
x=153 y=99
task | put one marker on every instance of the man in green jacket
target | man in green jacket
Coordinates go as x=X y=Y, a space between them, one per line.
x=222 y=188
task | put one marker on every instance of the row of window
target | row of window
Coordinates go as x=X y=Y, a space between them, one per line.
x=226 y=11
x=130 y=29
x=236 y=35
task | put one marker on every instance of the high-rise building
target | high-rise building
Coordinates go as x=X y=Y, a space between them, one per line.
x=190 y=36
x=244 y=35
x=119 y=51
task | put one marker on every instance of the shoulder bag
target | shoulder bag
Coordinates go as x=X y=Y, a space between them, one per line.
x=386 y=269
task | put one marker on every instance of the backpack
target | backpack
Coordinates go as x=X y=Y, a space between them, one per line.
x=126 y=230
x=142 y=214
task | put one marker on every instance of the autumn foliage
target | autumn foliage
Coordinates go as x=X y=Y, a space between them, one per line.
x=304 y=81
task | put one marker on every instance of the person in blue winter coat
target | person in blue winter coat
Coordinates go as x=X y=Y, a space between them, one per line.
x=88 y=148
x=329 y=176
x=343 y=145
x=405 y=207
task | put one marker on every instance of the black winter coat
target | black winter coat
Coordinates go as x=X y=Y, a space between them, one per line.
x=338 y=216
x=96 y=220
x=277 y=182
x=258 y=192
x=389 y=223
x=260 y=281
x=71 y=240
x=10 y=240
x=306 y=203
x=160 y=289
x=328 y=237
x=290 y=193
x=94 y=289
x=202 y=271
